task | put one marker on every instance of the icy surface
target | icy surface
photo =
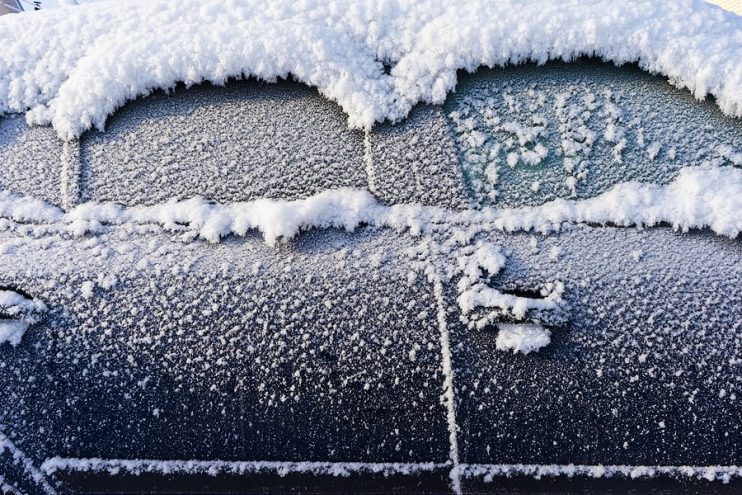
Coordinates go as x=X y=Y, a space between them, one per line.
x=326 y=338
x=244 y=141
x=73 y=67
x=527 y=135
x=338 y=333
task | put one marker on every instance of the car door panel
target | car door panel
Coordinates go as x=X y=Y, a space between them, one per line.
x=644 y=372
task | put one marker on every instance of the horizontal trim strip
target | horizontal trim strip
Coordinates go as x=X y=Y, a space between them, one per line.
x=491 y=471
x=137 y=466
x=467 y=471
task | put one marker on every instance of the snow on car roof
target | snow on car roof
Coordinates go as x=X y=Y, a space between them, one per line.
x=73 y=67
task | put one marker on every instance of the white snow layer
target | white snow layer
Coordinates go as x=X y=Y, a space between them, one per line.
x=522 y=338
x=700 y=197
x=72 y=67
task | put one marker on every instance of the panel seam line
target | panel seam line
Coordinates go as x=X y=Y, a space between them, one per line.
x=448 y=389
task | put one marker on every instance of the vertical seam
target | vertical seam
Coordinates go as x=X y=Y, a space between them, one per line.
x=369 y=163
x=448 y=388
x=462 y=189
x=70 y=174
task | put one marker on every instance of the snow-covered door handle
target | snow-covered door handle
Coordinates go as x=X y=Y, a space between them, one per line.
x=18 y=311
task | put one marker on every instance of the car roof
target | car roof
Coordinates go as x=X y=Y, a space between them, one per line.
x=376 y=63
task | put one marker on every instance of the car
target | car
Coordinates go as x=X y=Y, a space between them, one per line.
x=532 y=286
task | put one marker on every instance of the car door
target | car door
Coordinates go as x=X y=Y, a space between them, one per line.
x=160 y=351
x=640 y=375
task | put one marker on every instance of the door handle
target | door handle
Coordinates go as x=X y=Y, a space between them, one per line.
x=18 y=311
x=520 y=314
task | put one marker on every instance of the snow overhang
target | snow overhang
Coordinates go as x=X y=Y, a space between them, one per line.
x=73 y=67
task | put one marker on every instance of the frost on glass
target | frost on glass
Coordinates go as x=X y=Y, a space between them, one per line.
x=246 y=140
x=527 y=135
x=29 y=159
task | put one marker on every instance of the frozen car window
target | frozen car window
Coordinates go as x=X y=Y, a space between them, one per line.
x=29 y=159
x=243 y=141
x=529 y=134
x=415 y=161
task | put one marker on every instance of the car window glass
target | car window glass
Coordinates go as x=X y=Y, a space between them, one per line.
x=29 y=159
x=238 y=142
x=530 y=134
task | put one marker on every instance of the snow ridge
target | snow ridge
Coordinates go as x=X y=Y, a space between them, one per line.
x=449 y=394
x=700 y=197
x=72 y=67
x=27 y=464
x=486 y=471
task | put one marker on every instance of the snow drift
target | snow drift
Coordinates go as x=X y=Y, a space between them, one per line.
x=72 y=67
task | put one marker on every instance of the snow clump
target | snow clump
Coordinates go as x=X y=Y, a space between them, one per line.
x=524 y=338
x=17 y=313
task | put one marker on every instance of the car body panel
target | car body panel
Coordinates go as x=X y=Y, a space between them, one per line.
x=342 y=353
x=165 y=350
x=159 y=362
x=645 y=371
